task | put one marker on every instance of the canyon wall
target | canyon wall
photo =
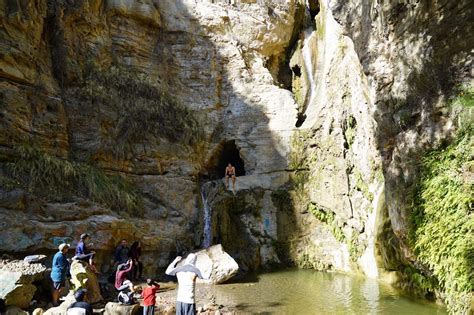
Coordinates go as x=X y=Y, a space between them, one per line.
x=117 y=117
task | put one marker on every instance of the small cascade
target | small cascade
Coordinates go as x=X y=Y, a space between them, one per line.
x=308 y=63
x=209 y=191
x=368 y=262
x=207 y=235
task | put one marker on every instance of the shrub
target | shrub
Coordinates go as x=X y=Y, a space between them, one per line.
x=44 y=174
x=140 y=112
x=443 y=219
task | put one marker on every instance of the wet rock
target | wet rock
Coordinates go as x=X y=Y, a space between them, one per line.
x=112 y=308
x=83 y=277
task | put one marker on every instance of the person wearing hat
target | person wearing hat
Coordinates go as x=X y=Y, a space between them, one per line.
x=186 y=274
x=80 y=307
x=82 y=253
x=59 y=271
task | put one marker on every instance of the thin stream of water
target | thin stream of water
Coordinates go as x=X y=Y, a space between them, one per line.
x=308 y=62
x=207 y=233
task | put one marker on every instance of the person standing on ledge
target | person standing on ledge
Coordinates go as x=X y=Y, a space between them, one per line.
x=230 y=173
x=59 y=271
x=187 y=274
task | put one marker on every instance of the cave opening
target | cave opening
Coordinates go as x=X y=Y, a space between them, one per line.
x=226 y=153
x=313 y=6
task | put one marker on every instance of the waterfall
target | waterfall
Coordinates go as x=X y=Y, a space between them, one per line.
x=207 y=234
x=308 y=63
x=368 y=262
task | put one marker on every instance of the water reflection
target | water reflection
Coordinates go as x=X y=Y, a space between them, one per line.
x=311 y=292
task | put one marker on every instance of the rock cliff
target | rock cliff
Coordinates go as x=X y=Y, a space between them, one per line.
x=114 y=111
x=116 y=114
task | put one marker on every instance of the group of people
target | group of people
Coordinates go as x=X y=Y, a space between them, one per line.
x=128 y=267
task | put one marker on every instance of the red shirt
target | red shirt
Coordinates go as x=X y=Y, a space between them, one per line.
x=148 y=295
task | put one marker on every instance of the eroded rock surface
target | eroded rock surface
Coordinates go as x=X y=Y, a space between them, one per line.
x=16 y=281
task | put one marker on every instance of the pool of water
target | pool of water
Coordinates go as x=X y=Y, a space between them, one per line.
x=313 y=292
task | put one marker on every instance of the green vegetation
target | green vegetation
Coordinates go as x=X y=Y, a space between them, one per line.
x=356 y=246
x=327 y=217
x=442 y=220
x=362 y=186
x=464 y=96
x=47 y=175
x=299 y=160
x=133 y=111
x=415 y=281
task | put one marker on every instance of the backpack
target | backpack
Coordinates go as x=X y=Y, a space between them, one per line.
x=125 y=298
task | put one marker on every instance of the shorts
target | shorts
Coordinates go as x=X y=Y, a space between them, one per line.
x=59 y=285
x=185 y=308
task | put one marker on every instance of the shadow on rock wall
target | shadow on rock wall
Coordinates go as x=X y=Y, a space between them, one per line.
x=140 y=95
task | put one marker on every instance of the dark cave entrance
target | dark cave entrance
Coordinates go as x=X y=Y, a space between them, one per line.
x=226 y=153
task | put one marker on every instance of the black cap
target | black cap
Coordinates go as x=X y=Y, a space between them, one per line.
x=84 y=235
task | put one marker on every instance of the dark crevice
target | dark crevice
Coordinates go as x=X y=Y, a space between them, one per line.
x=284 y=73
x=54 y=33
x=300 y=118
x=313 y=8
x=296 y=70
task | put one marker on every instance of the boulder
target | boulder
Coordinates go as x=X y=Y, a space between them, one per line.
x=112 y=308
x=216 y=262
x=83 y=277
x=62 y=308
x=38 y=311
x=13 y=310
x=16 y=278
x=35 y=259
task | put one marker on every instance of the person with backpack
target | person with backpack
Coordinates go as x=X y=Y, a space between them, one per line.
x=149 y=297
x=80 y=307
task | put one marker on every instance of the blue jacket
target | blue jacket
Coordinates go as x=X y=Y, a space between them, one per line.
x=81 y=249
x=60 y=267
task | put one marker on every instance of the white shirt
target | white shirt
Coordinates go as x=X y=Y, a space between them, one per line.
x=186 y=286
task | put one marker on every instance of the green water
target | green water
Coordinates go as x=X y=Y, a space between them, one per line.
x=312 y=292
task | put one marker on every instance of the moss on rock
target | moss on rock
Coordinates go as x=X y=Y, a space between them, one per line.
x=442 y=221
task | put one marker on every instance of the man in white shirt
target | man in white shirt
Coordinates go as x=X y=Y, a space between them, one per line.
x=187 y=274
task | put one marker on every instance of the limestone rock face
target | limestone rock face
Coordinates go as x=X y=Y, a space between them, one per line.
x=373 y=82
x=83 y=277
x=16 y=281
x=90 y=92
